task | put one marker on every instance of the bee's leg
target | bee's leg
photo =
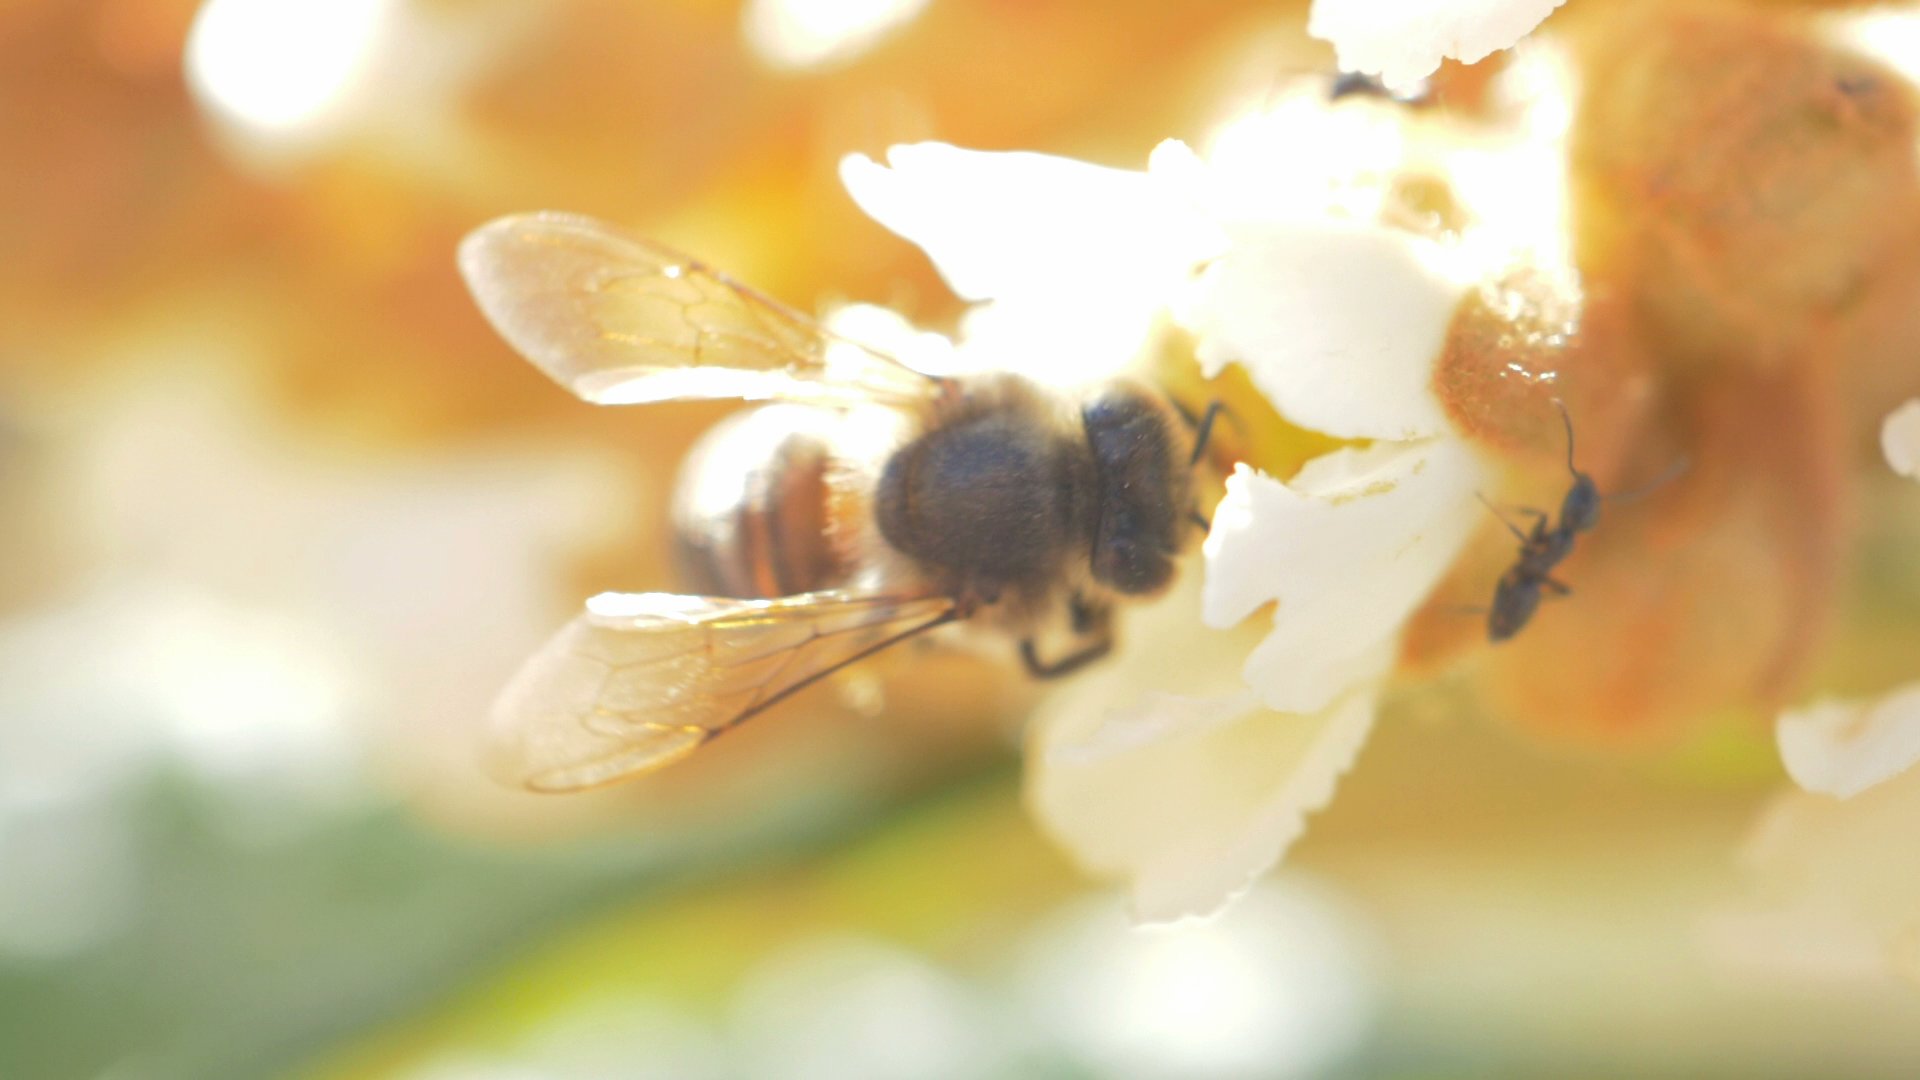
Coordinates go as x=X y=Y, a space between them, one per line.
x=1088 y=620
x=1086 y=617
x=1558 y=588
x=971 y=598
x=1203 y=429
x=1202 y=424
x=1067 y=664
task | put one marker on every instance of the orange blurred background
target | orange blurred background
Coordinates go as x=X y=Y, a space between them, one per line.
x=281 y=514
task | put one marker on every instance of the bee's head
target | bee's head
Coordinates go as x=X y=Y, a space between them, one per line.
x=1123 y=561
x=1142 y=488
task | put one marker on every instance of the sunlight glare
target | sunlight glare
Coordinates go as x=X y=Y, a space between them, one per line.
x=1515 y=185
x=1298 y=155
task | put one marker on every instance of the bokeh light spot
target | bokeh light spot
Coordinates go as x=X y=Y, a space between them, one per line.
x=801 y=34
x=277 y=67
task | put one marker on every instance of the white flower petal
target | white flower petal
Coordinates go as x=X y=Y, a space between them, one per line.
x=1349 y=549
x=1190 y=799
x=1153 y=718
x=1842 y=748
x=1337 y=322
x=1161 y=768
x=1006 y=224
x=1900 y=439
x=1403 y=41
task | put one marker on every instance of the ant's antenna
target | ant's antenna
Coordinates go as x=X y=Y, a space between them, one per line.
x=1647 y=488
x=1673 y=470
x=1568 y=420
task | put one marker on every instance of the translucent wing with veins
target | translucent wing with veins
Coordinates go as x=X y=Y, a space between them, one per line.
x=619 y=320
x=640 y=680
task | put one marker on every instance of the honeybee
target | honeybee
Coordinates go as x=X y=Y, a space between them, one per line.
x=990 y=497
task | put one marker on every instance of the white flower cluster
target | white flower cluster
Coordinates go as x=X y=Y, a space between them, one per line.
x=1188 y=764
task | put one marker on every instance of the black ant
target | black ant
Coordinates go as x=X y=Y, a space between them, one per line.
x=1543 y=548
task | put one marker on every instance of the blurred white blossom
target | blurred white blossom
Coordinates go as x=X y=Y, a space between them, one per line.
x=1842 y=748
x=1900 y=439
x=277 y=619
x=1282 y=986
x=1831 y=893
x=1828 y=894
x=845 y=1007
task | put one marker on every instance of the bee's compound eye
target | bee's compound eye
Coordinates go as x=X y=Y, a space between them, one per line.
x=1131 y=567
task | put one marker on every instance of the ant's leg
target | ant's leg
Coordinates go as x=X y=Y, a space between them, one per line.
x=1538 y=515
x=1511 y=527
